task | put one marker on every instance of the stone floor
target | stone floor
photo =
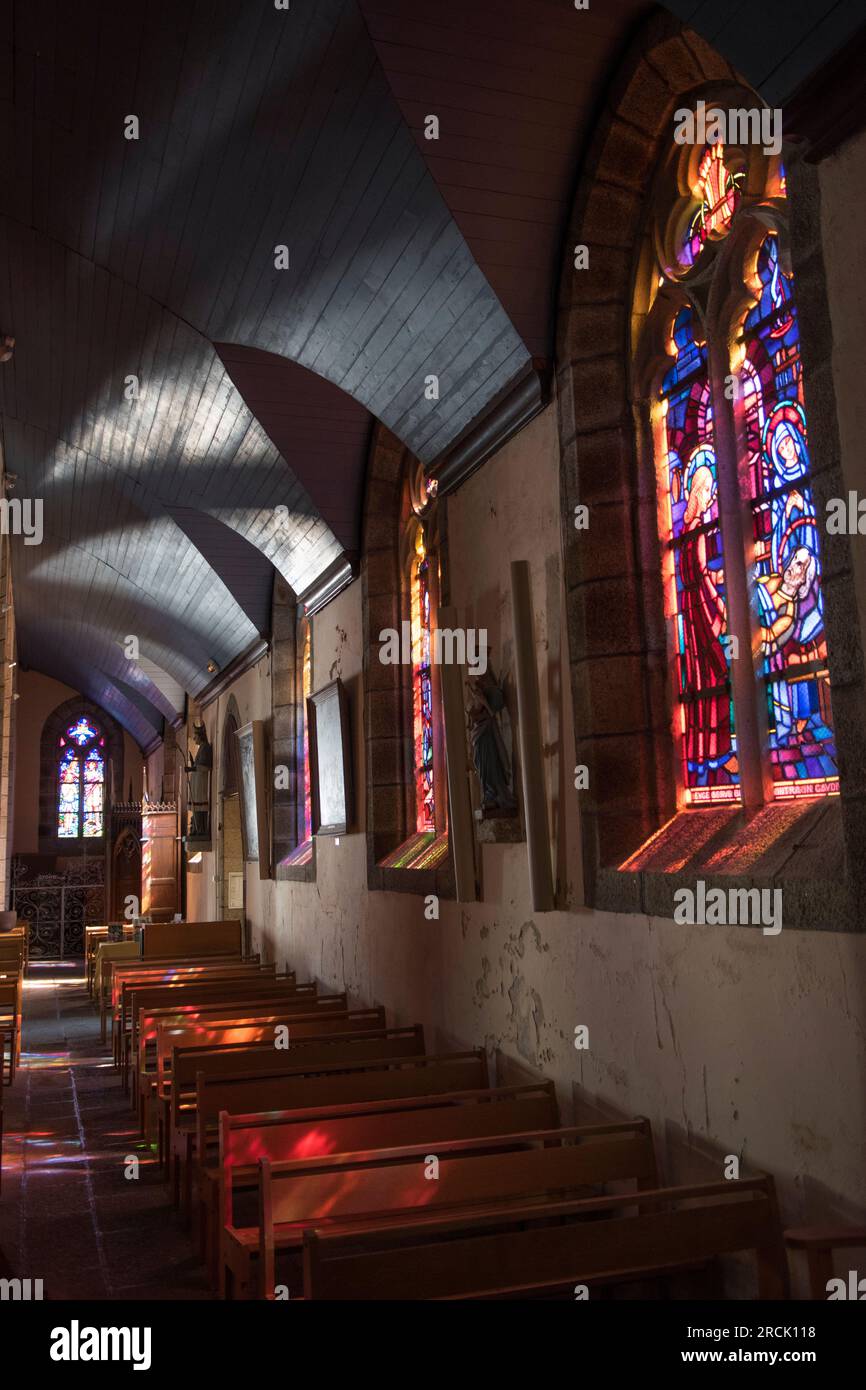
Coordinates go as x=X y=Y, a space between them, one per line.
x=68 y=1214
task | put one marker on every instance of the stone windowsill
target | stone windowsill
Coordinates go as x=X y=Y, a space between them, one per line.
x=797 y=846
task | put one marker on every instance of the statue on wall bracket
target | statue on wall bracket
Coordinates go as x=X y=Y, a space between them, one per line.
x=485 y=708
x=198 y=775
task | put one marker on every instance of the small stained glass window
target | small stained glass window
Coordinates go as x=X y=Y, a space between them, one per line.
x=422 y=688
x=81 y=782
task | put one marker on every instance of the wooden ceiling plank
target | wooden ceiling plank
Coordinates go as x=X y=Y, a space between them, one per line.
x=448 y=267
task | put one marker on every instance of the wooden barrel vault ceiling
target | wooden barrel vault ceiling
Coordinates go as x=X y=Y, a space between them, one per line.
x=148 y=265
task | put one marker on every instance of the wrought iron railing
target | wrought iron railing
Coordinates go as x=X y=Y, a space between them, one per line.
x=57 y=907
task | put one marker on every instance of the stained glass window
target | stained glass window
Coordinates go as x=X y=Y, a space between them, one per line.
x=307 y=684
x=785 y=534
x=717 y=194
x=81 y=782
x=422 y=689
x=767 y=442
x=706 y=713
x=81 y=732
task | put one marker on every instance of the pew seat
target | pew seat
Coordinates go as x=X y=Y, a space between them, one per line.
x=547 y=1249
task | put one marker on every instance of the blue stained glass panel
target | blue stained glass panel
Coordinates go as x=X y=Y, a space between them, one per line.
x=788 y=570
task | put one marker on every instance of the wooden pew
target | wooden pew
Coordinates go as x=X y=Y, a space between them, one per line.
x=10 y=1022
x=198 y=1000
x=344 y=1083
x=127 y=978
x=172 y=968
x=13 y=950
x=173 y=965
x=180 y=1031
x=256 y=1022
x=111 y=951
x=168 y=1100
x=94 y=937
x=192 y=938
x=186 y=1053
x=314 y=1046
x=818 y=1244
x=128 y=974
x=518 y=1168
x=308 y=1133
x=316 y=1052
x=147 y=1021
x=550 y=1247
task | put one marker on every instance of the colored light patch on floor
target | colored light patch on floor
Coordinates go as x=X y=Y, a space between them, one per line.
x=68 y=1214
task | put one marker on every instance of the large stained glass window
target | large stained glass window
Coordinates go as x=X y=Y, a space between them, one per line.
x=785 y=534
x=306 y=692
x=422 y=689
x=302 y=853
x=81 y=782
x=426 y=824
x=750 y=338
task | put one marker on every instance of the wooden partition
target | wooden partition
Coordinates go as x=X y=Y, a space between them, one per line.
x=191 y=938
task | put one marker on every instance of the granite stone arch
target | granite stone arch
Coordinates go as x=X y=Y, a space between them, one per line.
x=287 y=732
x=614 y=603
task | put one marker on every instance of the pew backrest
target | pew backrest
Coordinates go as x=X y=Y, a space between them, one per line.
x=158 y=1003
x=148 y=1019
x=193 y=988
x=115 y=972
x=257 y=1027
x=191 y=938
x=344 y=1084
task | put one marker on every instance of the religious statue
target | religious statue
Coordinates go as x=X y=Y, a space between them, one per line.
x=484 y=705
x=198 y=782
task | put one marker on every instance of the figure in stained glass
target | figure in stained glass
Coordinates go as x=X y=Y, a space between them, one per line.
x=708 y=739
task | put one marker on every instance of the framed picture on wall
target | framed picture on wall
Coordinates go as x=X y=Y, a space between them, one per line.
x=252 y=763
x=330 y=759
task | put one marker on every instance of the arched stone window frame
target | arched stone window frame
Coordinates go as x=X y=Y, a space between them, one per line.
x=396 y=504
x=290 y=624
x=617 y=635
x=57 y=722
x=229 y=772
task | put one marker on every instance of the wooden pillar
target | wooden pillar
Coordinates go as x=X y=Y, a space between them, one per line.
x=529 y=735
x=461 y=833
